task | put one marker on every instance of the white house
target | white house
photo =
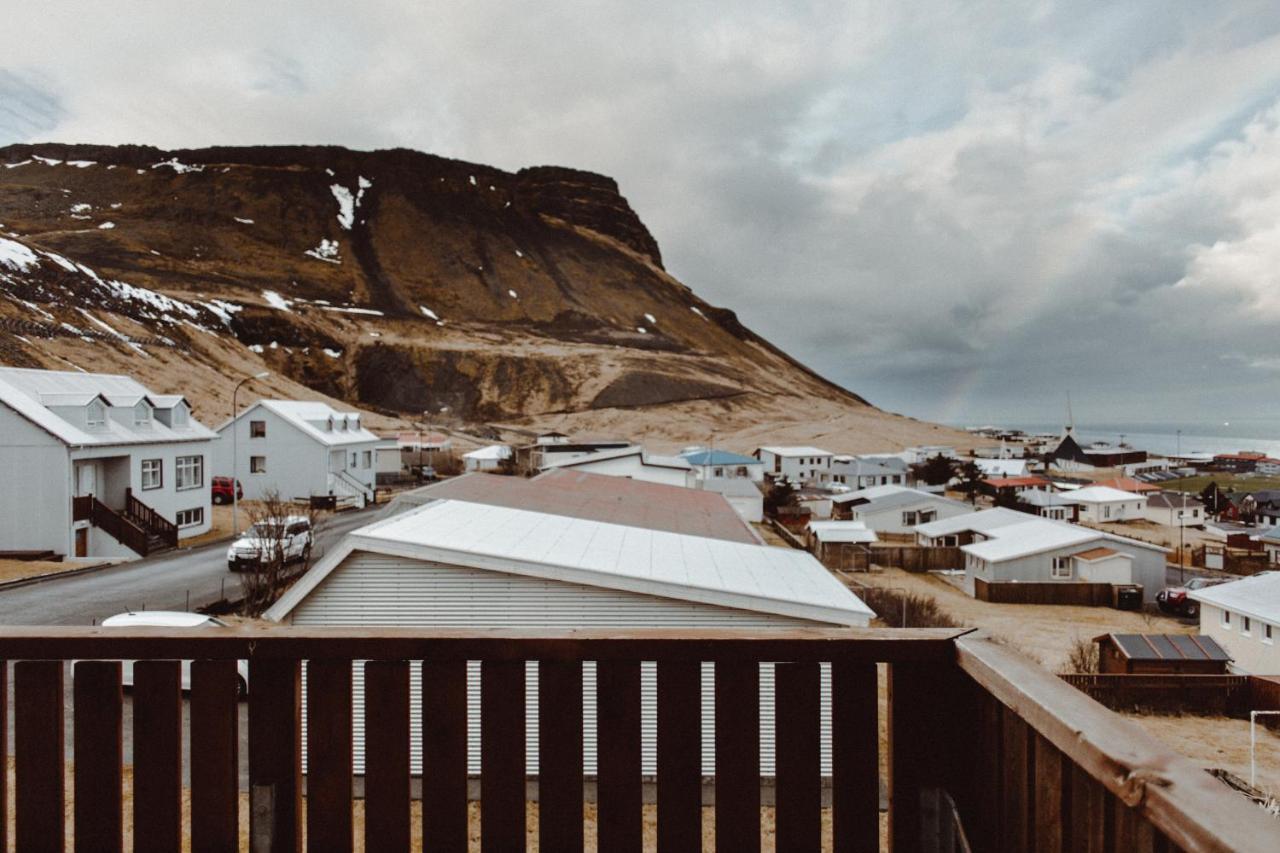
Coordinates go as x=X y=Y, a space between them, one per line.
x=633 y=462
x=1042 y=551
x=1050 y=505
x=486 y=458
x=1244 y=617
x=895 y=509
x=298 y=449
x=1268 y=466
x=109 y=442
x=821 y=536
x=742 y=494
x=453 y=564
x=1270 y=540
x=1101 y=504
x=1002 y=468
x=797 y=464
x=1174 y=510
x=721 y=464
x=970 y=527
x=861 y=472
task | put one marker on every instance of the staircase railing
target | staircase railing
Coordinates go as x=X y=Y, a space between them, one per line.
x=122 y=529
x=150 y=520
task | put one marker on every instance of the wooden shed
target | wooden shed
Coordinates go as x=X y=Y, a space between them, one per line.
x=1188 y=654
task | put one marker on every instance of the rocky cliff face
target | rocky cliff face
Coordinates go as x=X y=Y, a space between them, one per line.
x=395 y=280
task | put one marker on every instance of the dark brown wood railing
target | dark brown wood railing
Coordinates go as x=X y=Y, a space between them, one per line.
x=150 y=520
x=984 y=745
x=113 y=523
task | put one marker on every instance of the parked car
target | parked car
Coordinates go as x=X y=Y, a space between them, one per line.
x=292 y=535
x=1174 y=599
x=222 y=490
x=173 y=619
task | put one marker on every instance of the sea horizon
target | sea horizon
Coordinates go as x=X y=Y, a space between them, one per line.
x=1163 y=438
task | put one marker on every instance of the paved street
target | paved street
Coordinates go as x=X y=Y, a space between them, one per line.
x=178 y=580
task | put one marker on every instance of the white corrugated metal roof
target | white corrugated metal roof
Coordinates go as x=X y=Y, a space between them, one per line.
x=671 y=565
x=842 y=531
x=304 y=415
x=493 y=451
x=30 y=392
x=797 y=451
x=1257 y=596
x=1041 y=534
x=1101 y=495
x=987 y=519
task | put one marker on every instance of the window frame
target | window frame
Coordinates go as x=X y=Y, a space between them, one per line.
x=143 y=414
x=1224 y=618
x=257 y=464
x=1057 y=566
x=159 y=475
x=197 y=513
x=257 y=429
x=95 y=406
x=195 y=463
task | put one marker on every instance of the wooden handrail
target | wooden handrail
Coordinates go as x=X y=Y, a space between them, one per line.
x=150 y=520
x=1181 y=800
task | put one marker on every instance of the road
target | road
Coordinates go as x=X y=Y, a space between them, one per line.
x=177 y=580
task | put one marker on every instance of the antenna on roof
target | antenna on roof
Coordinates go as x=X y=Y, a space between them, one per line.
x=1071 y=421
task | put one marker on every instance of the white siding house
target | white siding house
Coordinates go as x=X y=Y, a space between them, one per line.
x=1174 y=510
x=298 y=449
x=1244 y=617
x=896 y=509
x=631 y=462
x=797 y=464
x=1102 y=504
x=721 y=464
x=454 y=564
x=486 y=458
x=65 y=435
x=861 y=473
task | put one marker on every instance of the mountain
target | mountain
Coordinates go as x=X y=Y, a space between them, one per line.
x=396 y=281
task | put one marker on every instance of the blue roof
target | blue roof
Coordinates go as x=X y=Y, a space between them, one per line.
x=718 y=457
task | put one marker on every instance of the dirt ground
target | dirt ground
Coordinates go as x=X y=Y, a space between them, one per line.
x=1044 y=632
x=12 y=570
x=1219 y=742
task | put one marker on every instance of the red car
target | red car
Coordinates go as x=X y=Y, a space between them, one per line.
x=1174 y=599
x=222 y=490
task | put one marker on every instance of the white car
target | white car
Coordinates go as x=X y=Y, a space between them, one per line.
x=172 y=619
x=292 y=534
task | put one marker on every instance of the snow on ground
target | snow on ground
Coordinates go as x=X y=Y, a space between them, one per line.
x=519 y=254
x=180 y=168
x=333 y=353
x=427 y=312
x=327 y=251
x=106 y=226
x=82 y=207
x=114 y=333
x=653 y=321
x=242 y=221
x=115 y=205
x=343 y=310
x=16 y=165
x=15 y=255
x=258 y=348
x=473 y=180
x=348 y=202
x=82 y=164
x=48 y=161
x=513 y=294
x=642 y=330
x=223 y=310
x=694 y=309
x=277 y=301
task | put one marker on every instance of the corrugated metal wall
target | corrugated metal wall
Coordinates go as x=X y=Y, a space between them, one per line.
x=371 y=589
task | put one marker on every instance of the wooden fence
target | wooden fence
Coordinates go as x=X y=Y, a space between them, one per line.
x=1166 y=692
x=911 y=558
x=1065 y=592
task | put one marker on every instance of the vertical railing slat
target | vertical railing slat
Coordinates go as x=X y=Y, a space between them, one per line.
x=38 y=756
x=679 y=756
x=1088 y=823
x=926 y=757
x=157 y=755
x=798 y=794
x=1017 y=758
x=619 y=816
x=502 y=749
x=329 y=815
x=1051 y=792
x=215 y=756
x=737 y=808
x=275 y=755
x=855 y=757
x=97 y=750
x=386 y=792
x=560 y=795
x=444 y=756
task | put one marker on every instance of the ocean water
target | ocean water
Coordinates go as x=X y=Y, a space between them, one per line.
x=1263 y=437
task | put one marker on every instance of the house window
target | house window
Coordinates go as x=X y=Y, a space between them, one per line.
x=151 y=474
x=909 y=518
x=353 y=459
x=190 y=517
x=188 y=472
x=96 y=415
x=368 y=459
x=257 y=464
x=141 y=414
x=1246 y=624
x=257 y=429
x=1226 y=619
x=1266 y=633
x=180 y=415
x=1061 y=567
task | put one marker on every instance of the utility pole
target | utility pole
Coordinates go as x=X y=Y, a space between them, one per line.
x=235 y=454
x=1182 y=560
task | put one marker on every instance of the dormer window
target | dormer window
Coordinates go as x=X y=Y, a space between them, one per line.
x=354 y=423
x=142 y=414
x=96 y=414
x=180 y=415
x=329 y=424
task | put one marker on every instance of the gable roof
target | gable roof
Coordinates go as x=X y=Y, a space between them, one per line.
x=718 y=457
x=677 y=462
x=1166 y=646
x=30 y=393
x=301 y=415
x=798 y=450
x=1043 y=497
x=1257 y=596
x=596 y=497
x=1168 y=500
x=842 y=531
x=1094 y=554
x=492 y=451
x=871 y=493
x=1101 y=495
x=1127 y=484
x=1037 y=535
x=781 y=581
x=906 y=497
x=976 y=522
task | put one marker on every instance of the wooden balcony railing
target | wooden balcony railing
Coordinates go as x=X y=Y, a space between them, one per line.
x=983 y=744
x=119 y=527
x=150 y=520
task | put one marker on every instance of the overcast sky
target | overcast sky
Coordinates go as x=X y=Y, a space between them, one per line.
x=961 y=213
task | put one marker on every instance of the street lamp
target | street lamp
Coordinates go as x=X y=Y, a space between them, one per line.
x=1182 y=521
x=235 y=454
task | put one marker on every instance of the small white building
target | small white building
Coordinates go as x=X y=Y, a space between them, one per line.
x=1174 y=510
x=79 y=449
x=298 y=449
x=742 y=494
x=1002 y=468
x=1268 y=466
x=859 y=472
x=1101 y=504
x=1050 y=505
x=486 y=458
x=633 y=462
x=822 y=536
x=964 y=529
x=1244 y=617
x=452 y=564
x=721 y=464
x=895 y=509
x=797 y=464
x=1042 y=551
x=1270 y=540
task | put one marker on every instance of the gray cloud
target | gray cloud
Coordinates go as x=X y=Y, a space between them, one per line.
x=959 y=212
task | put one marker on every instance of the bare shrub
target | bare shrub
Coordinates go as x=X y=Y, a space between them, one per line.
x=1082 y=657
x=262 y=584
x=922 y=610
x=447 y=463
